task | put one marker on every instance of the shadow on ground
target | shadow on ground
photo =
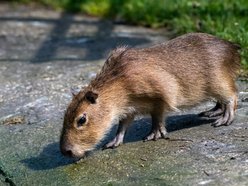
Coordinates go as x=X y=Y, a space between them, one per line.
x=92 y=42
x=51 y=157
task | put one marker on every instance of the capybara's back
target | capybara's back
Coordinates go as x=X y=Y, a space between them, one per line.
x=179 y=73
x=186 y=70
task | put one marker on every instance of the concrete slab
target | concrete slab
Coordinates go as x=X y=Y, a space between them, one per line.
x=43 y=53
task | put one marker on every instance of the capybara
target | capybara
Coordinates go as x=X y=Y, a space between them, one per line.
x=156 y=80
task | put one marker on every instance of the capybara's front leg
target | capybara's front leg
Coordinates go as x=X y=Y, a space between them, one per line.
x=122 y=128
x=158 y=127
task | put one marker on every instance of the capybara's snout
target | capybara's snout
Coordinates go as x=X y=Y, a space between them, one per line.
x=69 y=150
x=66 y=150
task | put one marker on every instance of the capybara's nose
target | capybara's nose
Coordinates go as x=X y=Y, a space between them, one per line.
x=71 y=151
x=67 y=153
x=66 y=150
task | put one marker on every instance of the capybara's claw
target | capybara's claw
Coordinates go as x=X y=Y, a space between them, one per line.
x=113 y=144
x=155 y=135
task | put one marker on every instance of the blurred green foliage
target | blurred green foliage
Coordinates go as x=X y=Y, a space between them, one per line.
x=227 y=19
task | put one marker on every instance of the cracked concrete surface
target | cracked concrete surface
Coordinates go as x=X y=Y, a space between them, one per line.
x=42 y=54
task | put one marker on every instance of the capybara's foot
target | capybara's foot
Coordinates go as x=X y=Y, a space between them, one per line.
x=228 y=114
x=117 y=141
x=225 y=120
x=156 y=134
x=214 y=112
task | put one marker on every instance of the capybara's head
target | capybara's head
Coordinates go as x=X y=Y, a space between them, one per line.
x=85 y=123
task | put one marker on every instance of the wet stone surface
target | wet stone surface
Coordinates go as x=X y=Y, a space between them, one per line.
x=42 y=55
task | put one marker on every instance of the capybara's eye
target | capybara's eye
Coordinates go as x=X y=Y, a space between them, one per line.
x=81 y=121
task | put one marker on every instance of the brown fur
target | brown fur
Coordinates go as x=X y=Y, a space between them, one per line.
x=182 y=72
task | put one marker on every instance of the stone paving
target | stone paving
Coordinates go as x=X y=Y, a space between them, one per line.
x=43 y=53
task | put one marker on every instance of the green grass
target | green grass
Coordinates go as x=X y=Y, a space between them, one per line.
x=227 y=19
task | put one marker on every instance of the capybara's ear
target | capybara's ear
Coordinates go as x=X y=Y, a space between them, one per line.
x=75 y=91
x=91 y=97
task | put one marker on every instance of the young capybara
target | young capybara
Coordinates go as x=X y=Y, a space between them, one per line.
x=157 y=80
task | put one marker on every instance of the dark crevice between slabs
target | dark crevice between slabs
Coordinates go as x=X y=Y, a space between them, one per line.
x=7 y=177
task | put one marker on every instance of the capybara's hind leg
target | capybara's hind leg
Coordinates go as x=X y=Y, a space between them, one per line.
x=214 y=112
x=228 y=115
